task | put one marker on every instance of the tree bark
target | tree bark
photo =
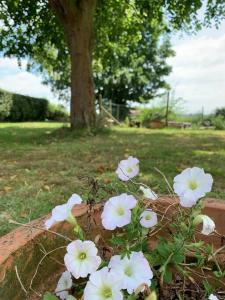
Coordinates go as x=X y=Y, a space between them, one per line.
x=76 y=16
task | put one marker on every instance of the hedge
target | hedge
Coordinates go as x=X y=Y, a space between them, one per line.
x=15 y=107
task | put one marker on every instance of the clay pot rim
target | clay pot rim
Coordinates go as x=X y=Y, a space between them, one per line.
x=23 y=235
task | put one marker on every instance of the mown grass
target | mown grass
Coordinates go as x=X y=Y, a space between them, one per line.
x=42 y=164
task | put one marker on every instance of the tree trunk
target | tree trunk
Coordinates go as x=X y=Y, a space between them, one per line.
x=77 y=20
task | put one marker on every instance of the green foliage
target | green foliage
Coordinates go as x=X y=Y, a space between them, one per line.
x=15 y=107
x=49 y=296
x=49 y=142
x=220 y=112
x=138 y=73
x=56 y=113
x=18 y=108
x=219 y=122
x=152 y=114
x=31 y=29
x=5 y=104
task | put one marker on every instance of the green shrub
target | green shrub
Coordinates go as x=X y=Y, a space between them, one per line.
x=57 y=113
x=17 y=108
x=25 y=108
x=5 y=104
x=219 y=122
x=151 y=114
x=220 y=112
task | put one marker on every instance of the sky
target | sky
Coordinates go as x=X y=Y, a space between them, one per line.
x=198 y=74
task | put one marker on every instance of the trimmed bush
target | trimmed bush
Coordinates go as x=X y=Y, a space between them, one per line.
x=18 y=108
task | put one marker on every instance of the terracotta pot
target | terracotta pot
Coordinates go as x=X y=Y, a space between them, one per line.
x=21 y=248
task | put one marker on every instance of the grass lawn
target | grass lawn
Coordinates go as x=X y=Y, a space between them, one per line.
x=42 y=164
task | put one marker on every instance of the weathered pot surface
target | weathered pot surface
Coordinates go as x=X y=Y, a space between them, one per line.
x=21 y=248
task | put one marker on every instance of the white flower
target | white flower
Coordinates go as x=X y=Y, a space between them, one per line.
x=134 y=270
x=103 y=285
x=148 y=218
x=81 y=258
x=63 y=212
x=74 y=200
x=213 y=297
x=208 y=224
x=191 y=185
x=128 y=168
x=148 y=193
x=117 y=211
x=64 y=284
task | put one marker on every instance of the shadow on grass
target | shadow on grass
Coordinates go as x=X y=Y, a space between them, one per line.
x=45 y=135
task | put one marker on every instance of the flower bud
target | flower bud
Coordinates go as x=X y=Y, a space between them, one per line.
x=152 y=296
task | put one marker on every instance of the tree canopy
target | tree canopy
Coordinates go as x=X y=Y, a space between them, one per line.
x=61 y=36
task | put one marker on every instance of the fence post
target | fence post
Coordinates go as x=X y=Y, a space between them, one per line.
x=167 y=107
x=100 y=102
x=110 y=106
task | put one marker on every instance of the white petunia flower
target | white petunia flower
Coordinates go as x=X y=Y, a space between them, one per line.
x=134 y=270
x=213 y=297
x=128 y=168
x=208 y=224
x=81 y=258
x=63 y=212
x=117 y=211
x=148 y=218
x=74 y=200
x=64 y=284
x=148 y=193
x=191 y=185
x=103 y=285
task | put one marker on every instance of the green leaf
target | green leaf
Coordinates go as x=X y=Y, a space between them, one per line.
x=49 y=296
x=209 y=289
x=167 y=278
x=177 y=258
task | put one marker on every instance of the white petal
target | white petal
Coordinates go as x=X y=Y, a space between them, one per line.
x=60 y=212
x=74 y=200
x=191 y=185
x=74 y=246
x=188 y=199
x=117 y=211
x=213 y=297
x=135 y=269
x=148 y=193
x=49 y=223
x=148 y=218
x=82 y=267
x=208 y=225
x=128 y=168
x=64 y=284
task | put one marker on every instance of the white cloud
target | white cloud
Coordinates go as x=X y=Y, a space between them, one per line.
x=18 y=80
x=199 y=71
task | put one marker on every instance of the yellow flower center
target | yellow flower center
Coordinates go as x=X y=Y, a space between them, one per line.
x=192 y=185
x=129 y=170
x=107 y=292
x=82 y=255
x=120 y=211
x=148 y=217
x=128 y=271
